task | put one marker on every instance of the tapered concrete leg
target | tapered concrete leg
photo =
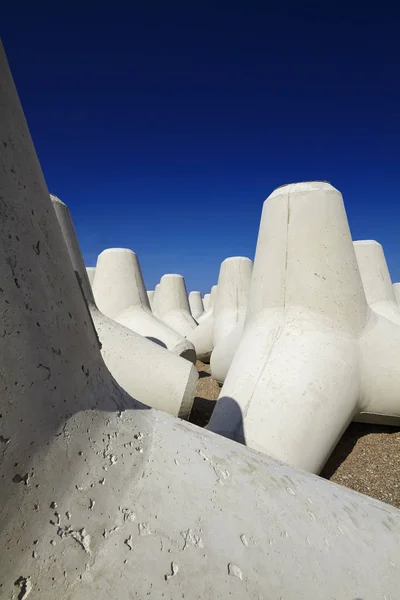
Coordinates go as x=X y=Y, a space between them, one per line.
x=154 y=308
x=91 y=272
x=396 y=290
x=150 y=296
x=222 y=355
x=120 y=294
x=196 y=304
x=173 y=305
x=206 y=301
x=103 y=499
x=131 y=359
x=229 y=311
x=295 y=375
x=210 y=303
x=376 y=279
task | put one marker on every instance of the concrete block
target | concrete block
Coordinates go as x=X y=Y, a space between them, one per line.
x=173 y=304
x=206 y=302
x=210 y=304
x=396 y=290
x=229 y=312
x=376 y=279
x=131 y=359
x=155 y=300
x=305 y=363
x=120 y=294
x=150 y=296
x=91 y=272
x=97 y=497
x=196 y=305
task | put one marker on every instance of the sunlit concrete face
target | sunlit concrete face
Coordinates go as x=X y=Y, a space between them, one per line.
x=196 y=304
x=229 y=312
x=95 y=485
x=173 y=304
x=120 y=294
x=304 y=366
x=132 y=359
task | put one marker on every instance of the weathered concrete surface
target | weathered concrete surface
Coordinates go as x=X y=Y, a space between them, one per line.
x=173 y=304
x=229 y=312
x=305 y=363
x=102 y=498
x=131 y=359
x=196 y=304
x=120 y=294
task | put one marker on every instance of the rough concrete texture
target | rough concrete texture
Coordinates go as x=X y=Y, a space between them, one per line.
x=344 y=359
x=120 y=294
x=91 y=272
x=196 y=304
x=131 y=359
x=103 y=498
x=173 y=304
x=229 y=312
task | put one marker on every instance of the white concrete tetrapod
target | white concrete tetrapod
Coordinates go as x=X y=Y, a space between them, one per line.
x=196 y=304
x=94 y=486
x=396 y=290
x=376 y=279
x=304 y=366
x=202 y=336
x=206 y=302
x=222 y=354
x=155 y=300
x=380 y=295
x=120 y=294
x=91 y=272
x=229 y=312
x=150 y=296
x=173 y=304
x=131 y=359
x=212 y=295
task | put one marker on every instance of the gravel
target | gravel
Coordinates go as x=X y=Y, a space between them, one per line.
x=366 y=459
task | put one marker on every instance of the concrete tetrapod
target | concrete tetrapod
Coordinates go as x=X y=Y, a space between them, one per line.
x=380 y=295
x=173 y=304
x=97 y=499
x=396 y=290
x=306 y=363
x=120 y=294
x=202 y=336
x=155 y=300
x=131 y=359
x=229 y=312
x=376 y=279
x=91 y=272
x=150 y=296
x=206 y=302
x=196 y=304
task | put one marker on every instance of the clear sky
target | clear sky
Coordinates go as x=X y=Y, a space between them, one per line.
x=164 y=125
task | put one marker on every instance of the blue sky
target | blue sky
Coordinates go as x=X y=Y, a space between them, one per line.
x=165 y=125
